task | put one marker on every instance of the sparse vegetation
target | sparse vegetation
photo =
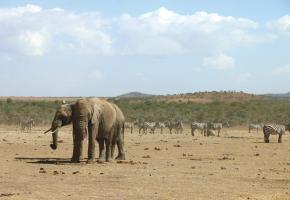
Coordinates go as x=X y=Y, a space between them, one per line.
x=237 y=113
x=236 y=107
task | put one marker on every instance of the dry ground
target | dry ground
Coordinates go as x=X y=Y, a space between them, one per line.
x=237 y=165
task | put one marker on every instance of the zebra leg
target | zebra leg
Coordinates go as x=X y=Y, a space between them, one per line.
x=280 y=138
x=266 y=137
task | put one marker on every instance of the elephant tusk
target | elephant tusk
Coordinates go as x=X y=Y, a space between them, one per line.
x=47 y=131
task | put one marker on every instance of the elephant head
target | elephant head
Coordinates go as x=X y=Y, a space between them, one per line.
x=62 y=117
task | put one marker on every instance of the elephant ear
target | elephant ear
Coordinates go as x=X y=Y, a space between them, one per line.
x=96 y=114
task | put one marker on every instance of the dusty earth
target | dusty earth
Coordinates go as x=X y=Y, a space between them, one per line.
x=237 y=165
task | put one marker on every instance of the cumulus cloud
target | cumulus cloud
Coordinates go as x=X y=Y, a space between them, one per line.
x=281 y=25
x=164 y=32
x=220 y=61
x=33 y=31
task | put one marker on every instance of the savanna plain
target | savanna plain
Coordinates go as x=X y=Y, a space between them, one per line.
x=236 y=165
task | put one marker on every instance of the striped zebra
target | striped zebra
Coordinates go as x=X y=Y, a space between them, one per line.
x=178 y=126
x=151 y=126
x=161 y=126
x=217 y=126
x=140 y=126
x=199 y=126
x=255 y=127
x=129 y=125
x=144 y=126
x=274 y=129
x=26 y=125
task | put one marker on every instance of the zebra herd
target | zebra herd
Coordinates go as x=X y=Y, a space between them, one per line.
x=144 y=127
x=176 y=127
x=207 y=129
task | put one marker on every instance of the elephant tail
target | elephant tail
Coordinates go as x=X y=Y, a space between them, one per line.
x=123 y=132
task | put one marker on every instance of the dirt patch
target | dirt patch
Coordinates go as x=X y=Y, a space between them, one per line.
x=237 y=165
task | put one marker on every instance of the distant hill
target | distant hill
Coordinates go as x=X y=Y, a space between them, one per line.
x=135 y=95
x=281 y=95
x=198 y=97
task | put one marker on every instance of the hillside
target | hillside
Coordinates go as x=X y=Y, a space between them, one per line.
x=135 y=95
x=197 y=97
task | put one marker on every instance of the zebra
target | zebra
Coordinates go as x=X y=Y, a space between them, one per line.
x=26 y=125
x=200 y=126
x=160 y=125
x=178 y=126
x=274 y=129
x=151 y=126
x=255 y=127
x=130 y=126
x=217 y=126
x=140 y=126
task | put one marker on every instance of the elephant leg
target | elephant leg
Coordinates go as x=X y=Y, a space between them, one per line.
x=93 y=130
x=120 y=144
x=108 y=150
x=109 y=142
x=77 y=152
x=113 y=146
x=73 y=159
x=101 y=158
x=78 y=149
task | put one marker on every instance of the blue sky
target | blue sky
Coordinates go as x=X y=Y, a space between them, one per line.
x=106 y=48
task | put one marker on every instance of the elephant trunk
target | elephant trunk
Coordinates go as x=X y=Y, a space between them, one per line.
x=54 y=139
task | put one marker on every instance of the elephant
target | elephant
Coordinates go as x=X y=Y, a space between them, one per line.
x=100 y=120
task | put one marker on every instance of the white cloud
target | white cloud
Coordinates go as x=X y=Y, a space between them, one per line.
x=282 y=70
x=220 y=61
x=33 y=43
x=281 y=25
x=33 y=31
x=164 y=32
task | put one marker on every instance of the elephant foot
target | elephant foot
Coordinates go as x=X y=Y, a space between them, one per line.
x=109 y=160
x=120 y=157
x=73 y=160
x=266 y=141
x=90 y=161
x=101 y=160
